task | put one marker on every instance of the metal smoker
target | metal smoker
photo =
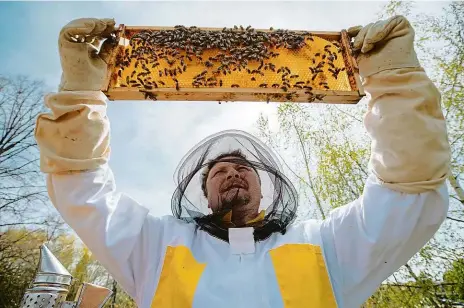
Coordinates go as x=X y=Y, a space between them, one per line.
x=51 y=285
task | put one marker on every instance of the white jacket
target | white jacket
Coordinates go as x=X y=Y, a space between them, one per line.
x=165 y=262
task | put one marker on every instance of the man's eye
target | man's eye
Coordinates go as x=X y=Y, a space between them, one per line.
x=218 y=172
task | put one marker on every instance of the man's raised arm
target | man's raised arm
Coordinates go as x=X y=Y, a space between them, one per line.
x=73 y=139
x=405 y=199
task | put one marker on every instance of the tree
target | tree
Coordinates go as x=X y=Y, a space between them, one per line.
x=22 y=192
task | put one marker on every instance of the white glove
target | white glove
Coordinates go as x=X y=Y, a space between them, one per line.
x=84 y=69
x=410 y=150
x=386 y=44
x=75 y=135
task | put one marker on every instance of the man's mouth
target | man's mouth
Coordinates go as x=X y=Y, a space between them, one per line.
x=235 y=185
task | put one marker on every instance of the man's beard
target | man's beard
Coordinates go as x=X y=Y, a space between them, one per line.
x=232 y=199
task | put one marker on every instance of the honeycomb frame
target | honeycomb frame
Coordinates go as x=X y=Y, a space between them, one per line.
x=249 y=83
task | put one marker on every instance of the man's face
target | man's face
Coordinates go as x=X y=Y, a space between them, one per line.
x=233 y=185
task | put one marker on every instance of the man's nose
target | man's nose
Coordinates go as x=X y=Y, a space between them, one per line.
x=233 y=173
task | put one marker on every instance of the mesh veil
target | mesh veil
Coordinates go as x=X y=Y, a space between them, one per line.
x=279 y=199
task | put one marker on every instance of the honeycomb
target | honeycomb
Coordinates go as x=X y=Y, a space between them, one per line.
x=272 y=65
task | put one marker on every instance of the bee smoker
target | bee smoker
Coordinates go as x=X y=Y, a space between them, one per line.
x=51 y=286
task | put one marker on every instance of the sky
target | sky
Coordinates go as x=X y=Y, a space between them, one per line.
x=149 y=138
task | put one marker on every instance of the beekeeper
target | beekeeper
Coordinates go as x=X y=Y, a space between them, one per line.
x=232 y=240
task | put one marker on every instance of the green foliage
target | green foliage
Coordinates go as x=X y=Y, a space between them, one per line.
x=454 y=277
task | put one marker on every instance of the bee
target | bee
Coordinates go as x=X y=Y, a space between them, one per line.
x=323 y=57
x=235 y=86
x=289 y=96
x=275 y=85
x=177 y=86
x=327 y=87
x=120 y=73
x=294 y=76
x=317 y=54
x=151 y=96
x=220 y=83
x=132 y=75
x=285 y=89
x=299 y=82
x=263 y=85
x=298 y=86
x=253 y=79
x=148 y=87
x=161 y=82
x=160 y=73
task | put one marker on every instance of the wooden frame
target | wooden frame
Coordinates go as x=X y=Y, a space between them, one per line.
x=235 y=94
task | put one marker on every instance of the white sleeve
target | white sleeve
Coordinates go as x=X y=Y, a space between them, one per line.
x=369 y=239
x=108 y=222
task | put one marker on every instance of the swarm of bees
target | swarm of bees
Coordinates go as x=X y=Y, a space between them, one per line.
x=162 y=58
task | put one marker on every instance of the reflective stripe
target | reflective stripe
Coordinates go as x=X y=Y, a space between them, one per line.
x=179 y=278
x=302 y=276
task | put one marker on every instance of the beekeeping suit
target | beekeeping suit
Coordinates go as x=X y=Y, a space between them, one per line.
x=197 y=257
